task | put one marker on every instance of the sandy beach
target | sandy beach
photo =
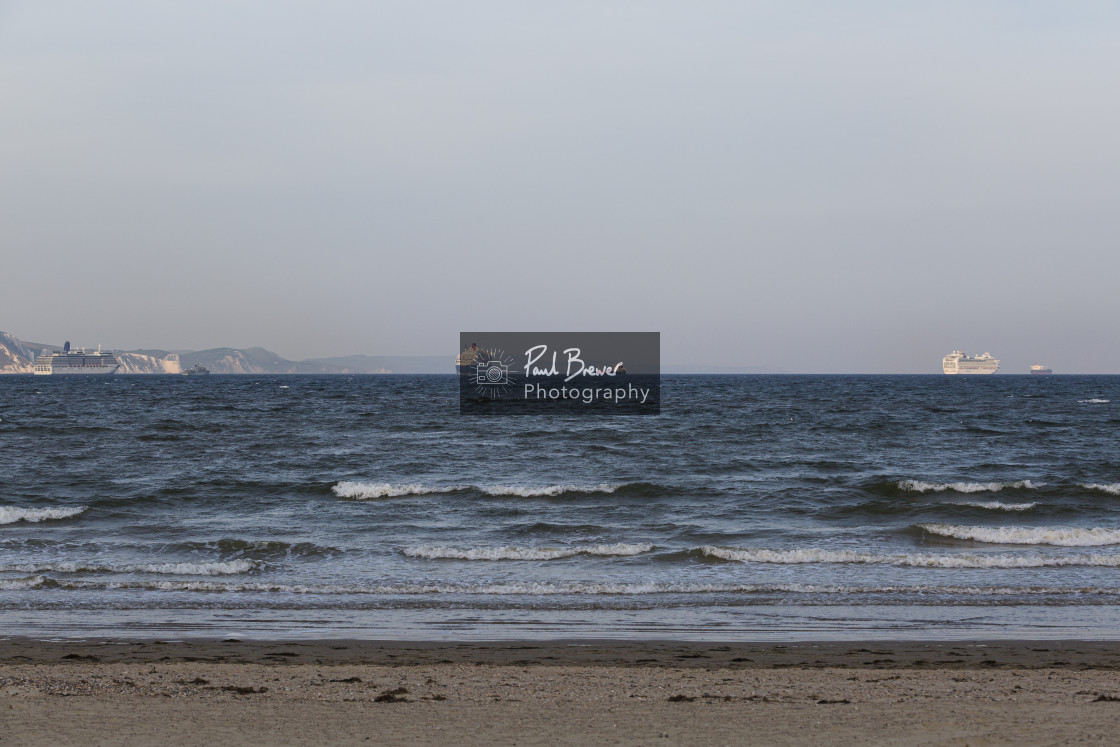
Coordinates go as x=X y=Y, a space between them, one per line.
x=529 y=693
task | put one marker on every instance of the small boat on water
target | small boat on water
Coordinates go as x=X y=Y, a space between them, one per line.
x=196 y=370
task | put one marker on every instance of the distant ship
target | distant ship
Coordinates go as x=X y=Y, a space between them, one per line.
x=1038 y=368
x=467 y=358
x=197 y=370
x=71 y=362
x=957 y=362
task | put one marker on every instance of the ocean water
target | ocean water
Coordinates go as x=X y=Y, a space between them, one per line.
x=752 y=508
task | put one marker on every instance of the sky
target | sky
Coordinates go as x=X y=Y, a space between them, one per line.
x=815 y=187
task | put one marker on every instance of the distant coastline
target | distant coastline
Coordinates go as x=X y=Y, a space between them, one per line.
x=18 y=357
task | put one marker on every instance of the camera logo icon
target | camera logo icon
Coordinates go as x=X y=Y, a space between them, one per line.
x=486 y=373
x=492 y=372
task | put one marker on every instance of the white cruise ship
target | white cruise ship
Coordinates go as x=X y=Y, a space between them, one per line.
x=466 y=359
x=957 y=362
x=76 y=362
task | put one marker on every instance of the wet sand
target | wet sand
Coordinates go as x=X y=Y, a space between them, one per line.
x=579 y=692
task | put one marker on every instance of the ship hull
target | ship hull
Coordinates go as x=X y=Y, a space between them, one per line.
x=78 y=371
x=971 y=370
x=89 y=371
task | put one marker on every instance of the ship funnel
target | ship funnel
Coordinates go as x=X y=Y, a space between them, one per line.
x=66 y=347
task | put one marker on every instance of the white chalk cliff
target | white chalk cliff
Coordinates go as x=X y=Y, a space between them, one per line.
x=14 y=357
x=138 y=363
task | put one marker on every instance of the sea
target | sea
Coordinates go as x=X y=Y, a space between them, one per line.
x=752 y=508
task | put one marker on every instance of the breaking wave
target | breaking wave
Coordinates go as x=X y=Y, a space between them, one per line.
x=917 y=560
x=548 y=490
x=362 y=491
x=1111 y=488
x=548 y=589
x=230 y=567
x=1061 y=536
x=919 y=486
x=370 y=490
x=12 y=584
x=1094 y=401
x=12 y=514
x=524 y=553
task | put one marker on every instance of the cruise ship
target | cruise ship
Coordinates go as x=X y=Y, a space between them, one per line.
x=71 y=362
x=1038 y=368
x=957 y=362
x=467 y=358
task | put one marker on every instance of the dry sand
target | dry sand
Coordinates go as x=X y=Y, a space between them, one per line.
x=528 y=693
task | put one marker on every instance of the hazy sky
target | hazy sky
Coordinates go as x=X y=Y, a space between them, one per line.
x=811 y=186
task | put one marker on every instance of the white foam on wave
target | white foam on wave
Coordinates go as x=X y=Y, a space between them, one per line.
x=548 y=490
x=225 y=568
x=551 y=589
x=997 y=505
x=525 y=553
x=1061 y=536
x=920 y=486
x=362 y=491
x=917 y=560
x=1110 y=488
x=1094 y=401
x=12 y=514
x=370 y=490
x=14 y=584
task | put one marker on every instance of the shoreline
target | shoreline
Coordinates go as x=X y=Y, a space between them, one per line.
x=873 y=654
x=104 y=691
